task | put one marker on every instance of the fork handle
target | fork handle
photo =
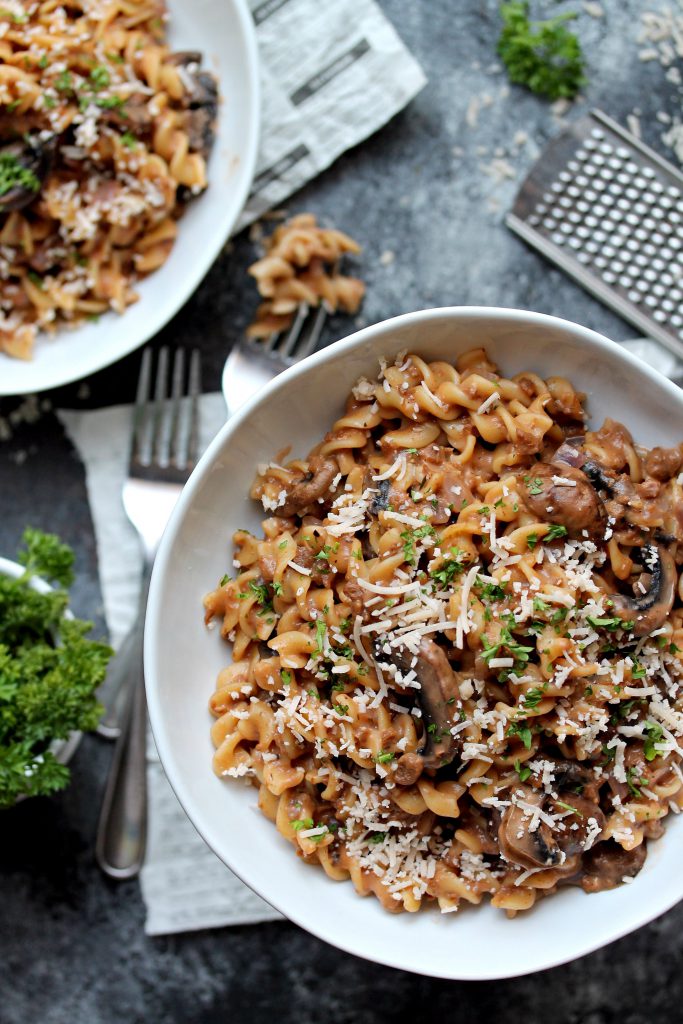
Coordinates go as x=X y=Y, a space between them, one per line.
x=122 y=828
x=114 y=690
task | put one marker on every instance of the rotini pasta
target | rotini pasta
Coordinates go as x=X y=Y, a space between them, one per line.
x=106 y=134
x=301 y=265
x=457 y=646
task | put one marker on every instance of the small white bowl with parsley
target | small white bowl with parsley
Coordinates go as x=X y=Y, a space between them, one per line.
x=49 y=670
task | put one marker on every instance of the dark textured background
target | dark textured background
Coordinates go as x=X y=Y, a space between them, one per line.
x=72 y=947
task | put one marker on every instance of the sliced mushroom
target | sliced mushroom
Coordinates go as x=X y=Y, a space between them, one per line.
x=649 y=610
x=519 y=844
x=575 y=506
x=309 y=490
x=581 y=815
x=437 y=695
x=33 y=157
x=572 y=453
x=608 y=864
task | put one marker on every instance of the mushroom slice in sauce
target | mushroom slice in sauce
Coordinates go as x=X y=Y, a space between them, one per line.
x=574 y=504
x=519 y=844
x=608 y=864
x=437 y=696
x=649 y=610
x=310 y=489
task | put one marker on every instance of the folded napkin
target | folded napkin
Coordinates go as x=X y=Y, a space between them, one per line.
x=332 y=73
x=184 y=885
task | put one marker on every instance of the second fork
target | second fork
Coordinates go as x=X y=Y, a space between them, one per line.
x=164 y=450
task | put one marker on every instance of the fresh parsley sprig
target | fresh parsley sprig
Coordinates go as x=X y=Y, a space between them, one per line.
x=49 y=671
x=544 y=56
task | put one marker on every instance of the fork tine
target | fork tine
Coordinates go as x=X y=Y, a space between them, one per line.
x=311 y=339
x=178 y=378
x=141 y=410
x=160 y=446
x=195 y=388
x=290 y=339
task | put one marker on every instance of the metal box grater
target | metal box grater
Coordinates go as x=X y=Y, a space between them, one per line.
x=609 y=211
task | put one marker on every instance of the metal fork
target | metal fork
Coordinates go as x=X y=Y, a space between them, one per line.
x=164 y=450
x=252 y=363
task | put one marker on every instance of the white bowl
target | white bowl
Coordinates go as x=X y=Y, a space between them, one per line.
x=182 y=659
x=224 y=33
x=65 y=749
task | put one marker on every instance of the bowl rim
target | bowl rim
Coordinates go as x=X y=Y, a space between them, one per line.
x=371 y=333
x=201 y=262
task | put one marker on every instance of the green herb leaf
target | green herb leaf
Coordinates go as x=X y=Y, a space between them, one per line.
x=13 y=174
x=544 y=56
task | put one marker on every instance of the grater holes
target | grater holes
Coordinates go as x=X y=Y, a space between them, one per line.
x=633 y=296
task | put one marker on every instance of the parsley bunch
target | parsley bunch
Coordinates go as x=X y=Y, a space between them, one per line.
x=49 y=671
x=542 y=55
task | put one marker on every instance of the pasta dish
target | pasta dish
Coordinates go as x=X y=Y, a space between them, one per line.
x=457 y=647
x=104 y=138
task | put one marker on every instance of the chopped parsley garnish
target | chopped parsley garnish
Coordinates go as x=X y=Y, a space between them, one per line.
x=341 y=709
x=654 y=734
x=449 y=568
x=555 y=532
x=261 y=592
x=110 y=103
x=540 y=605
x=320 y=630
x=377 y=838
x=64 y=82
x=300 y=823
x=285 y=676
x=608 y=623
x=521 y=730
x=130 y=142
x=522 y=770
x=282 y=544
x=35 y=279
x=569 y=807
x=533 y=697
x=518 y=651
x=531 y=541
x=490 y=591
x=384 y=757
x=277 y=588
x=544 y=56
x=534 y=486
x=100 y=77
x=633 y=780
x=224 y=579
x=13 y=174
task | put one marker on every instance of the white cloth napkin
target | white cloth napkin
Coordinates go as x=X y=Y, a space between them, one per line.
x=184 y=885
x=332 y=73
